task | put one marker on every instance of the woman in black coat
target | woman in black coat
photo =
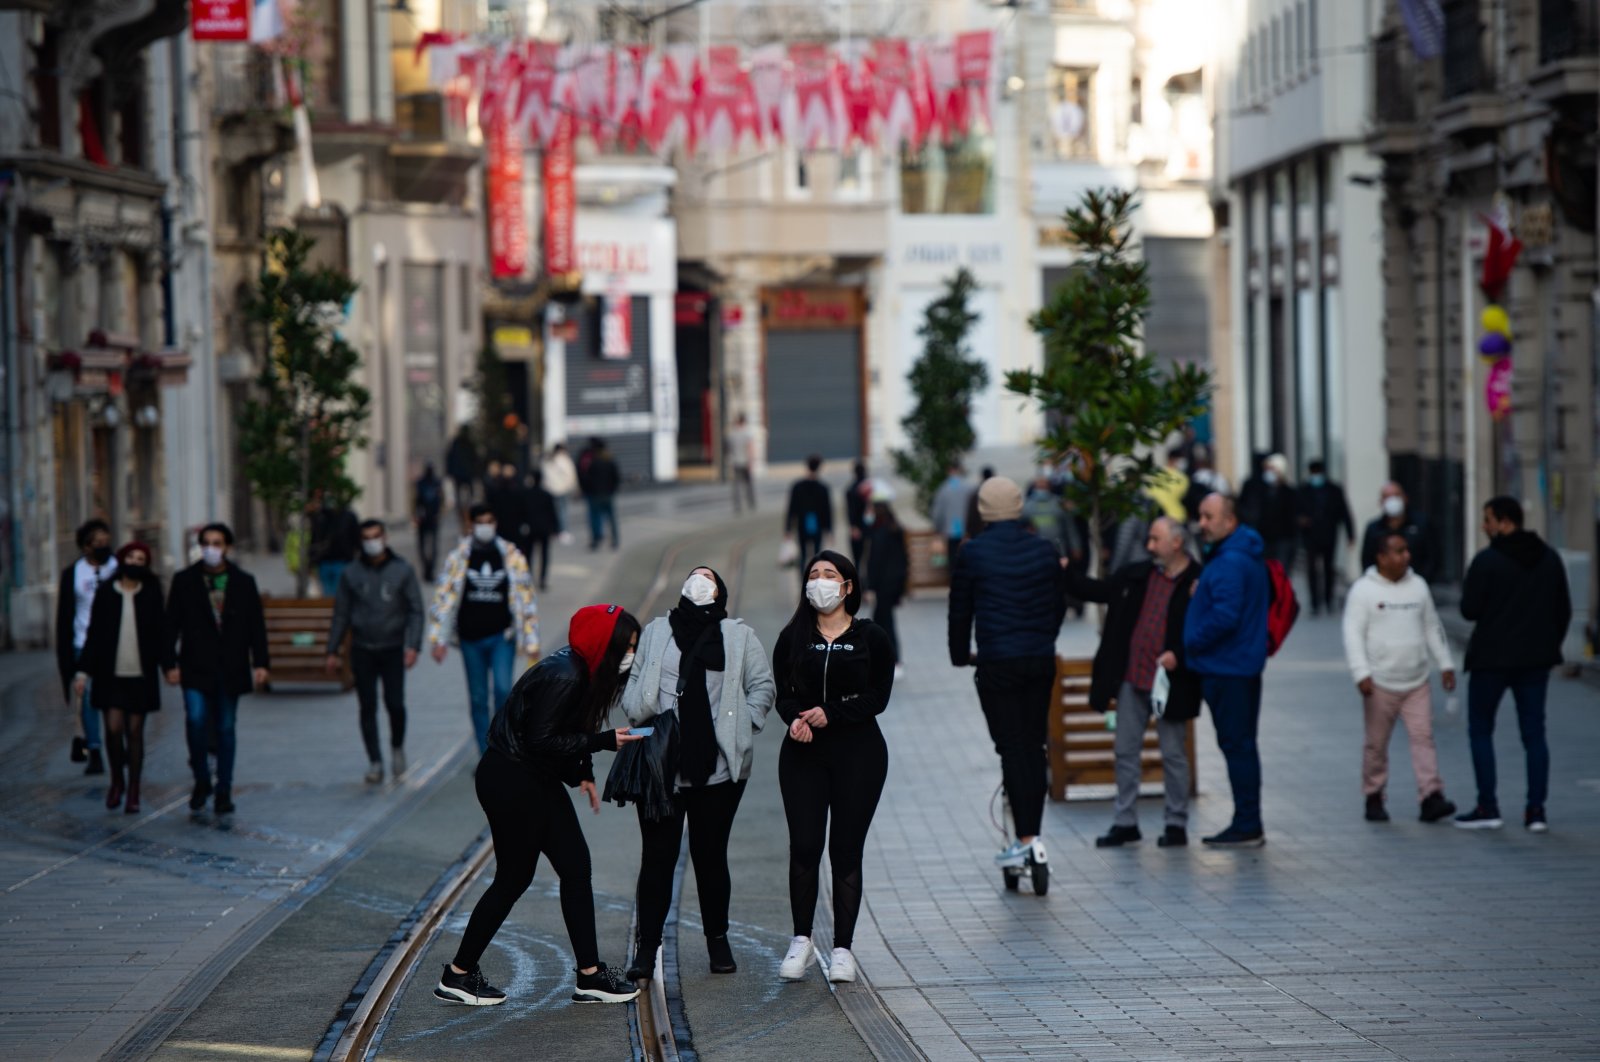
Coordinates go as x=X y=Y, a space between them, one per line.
x=124 y=654
x=888 y=565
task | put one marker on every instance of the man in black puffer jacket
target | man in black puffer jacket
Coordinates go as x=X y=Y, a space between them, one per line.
x=1516 y=595
x=1009 y=581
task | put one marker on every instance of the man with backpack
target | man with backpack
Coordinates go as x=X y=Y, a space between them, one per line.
x=1225 y=639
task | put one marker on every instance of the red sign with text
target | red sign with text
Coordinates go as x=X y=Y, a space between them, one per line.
x=560 y=202
x=508 y=228
x=221 y=20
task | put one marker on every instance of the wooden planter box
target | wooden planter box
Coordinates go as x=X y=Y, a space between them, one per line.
x=1083 y=751
x=929 y=567
x=297 y=638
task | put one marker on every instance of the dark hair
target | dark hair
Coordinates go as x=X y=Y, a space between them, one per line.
x=804 y=620
x=479 y=509
x=223 y=529
x=861 y=470
x=368 y=524
x=91 y=528
x=988 y=472
x=1505 y=507
x=605 y=681
x=883 y=514
x=1386 y=543
x=1317 y=467
x=814 y=462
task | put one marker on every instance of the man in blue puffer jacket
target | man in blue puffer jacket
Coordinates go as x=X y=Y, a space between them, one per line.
x=1009 y=581
x=1225 y=637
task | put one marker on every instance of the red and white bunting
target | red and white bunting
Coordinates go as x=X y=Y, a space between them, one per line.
x=816 y=121
x=975 y=68
x=720 y=89
x=857 y=95
x=672 y=101
x=894 y=94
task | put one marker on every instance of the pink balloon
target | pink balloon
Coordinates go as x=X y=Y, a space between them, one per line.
x=1497 y=389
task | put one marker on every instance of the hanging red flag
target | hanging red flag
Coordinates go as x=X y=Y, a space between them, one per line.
x=1498 y=258
x=975 y=69
x=893 y=104
x=854 y=76
x=560 y=201
x=816 y=115
x=591 y=70
x=947 y=113
x=538 y=112
x=719 y=94
x=508 y=226
x=672 y=102
x=769 y=82
x=629 y=104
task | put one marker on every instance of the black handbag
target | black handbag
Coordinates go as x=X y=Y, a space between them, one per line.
x=80 y=749
x=645 y=772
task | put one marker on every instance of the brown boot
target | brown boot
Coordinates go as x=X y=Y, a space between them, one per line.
x=114 y=791
x=132 y=807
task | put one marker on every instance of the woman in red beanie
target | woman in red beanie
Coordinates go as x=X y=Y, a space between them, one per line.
x=124 y=654
x=542 y=736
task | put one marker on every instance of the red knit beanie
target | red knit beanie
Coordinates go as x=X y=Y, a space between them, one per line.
x=122 y=554
x=590 y=632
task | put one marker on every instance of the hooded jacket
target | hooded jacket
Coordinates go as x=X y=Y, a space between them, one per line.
x=1225 y=631
x=1516 y=594
x=1392 y=632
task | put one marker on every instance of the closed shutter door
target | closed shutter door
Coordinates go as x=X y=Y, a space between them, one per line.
x=813 y=394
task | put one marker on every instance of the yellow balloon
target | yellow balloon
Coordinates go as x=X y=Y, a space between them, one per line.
x=1495 y=320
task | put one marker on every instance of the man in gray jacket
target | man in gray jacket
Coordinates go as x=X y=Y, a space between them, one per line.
x=379 y=604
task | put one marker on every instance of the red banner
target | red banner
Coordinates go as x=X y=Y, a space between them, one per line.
x=974 y=68
x=221 y=20
x=719 y=91
x=560 y=201
x=854 y=76
x=816 y=119
x=672 y=102
x=508 y=227
x=895 y=86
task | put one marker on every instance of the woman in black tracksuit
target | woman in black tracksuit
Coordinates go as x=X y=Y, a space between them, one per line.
x=543 y=736
x=888 y=565
x=834 y=675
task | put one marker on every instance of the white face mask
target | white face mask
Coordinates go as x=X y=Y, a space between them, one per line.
x=373 y=547
x=824 y=594
x=1394 y=506
x=211 y=556
x=483 y=533
x=626 y=663
x=700 y=590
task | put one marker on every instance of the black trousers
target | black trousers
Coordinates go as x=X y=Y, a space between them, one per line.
x=838 y=776
x=709 y=811
x=541 y=543
x=810 y=546
x=428 y=548
x=370 y=666
x=883 y=615
x=529 y=815
x=1320 y=573
x=1015 y=695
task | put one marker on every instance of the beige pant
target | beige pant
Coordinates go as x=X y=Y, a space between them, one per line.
x=1415 y=707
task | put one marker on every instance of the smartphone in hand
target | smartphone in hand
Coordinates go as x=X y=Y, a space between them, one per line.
x=641 y=731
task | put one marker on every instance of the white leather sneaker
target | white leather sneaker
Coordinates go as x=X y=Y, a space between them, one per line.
x=842 y=967
x=801 y=955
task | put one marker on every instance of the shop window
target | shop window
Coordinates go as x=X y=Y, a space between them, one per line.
x=954 y=178
x=797 y=174
x=855 y=175
x=1072 y=111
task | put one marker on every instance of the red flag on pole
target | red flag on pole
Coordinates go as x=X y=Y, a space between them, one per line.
x=816 y=118
x=508 y=226
x=560 y=201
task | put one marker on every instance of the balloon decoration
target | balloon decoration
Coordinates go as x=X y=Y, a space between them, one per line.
x=1496 y=321
x=1494 y=345
x=1497 y=389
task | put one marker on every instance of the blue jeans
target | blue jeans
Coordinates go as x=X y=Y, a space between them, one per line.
x=1485 y=689
x=483 y=659
x=88 y=714
x=1236 y=709
x=203 y=711
x=602 y=508
x=328 y=573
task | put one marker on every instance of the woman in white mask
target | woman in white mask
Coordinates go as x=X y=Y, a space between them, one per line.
x=712 y=671
x=835 y=674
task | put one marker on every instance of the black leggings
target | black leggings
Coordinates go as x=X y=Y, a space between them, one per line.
x=529 y=815
x=368 y=666
x=841 y=774
x=883 y=615
x=710 y=810
x=1015 y=695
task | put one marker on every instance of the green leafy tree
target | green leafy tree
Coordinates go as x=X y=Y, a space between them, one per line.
x=1109 y=405
x=308 y=413
x=943 y=381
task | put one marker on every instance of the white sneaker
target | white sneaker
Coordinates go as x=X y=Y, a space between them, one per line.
x=801 y=955
x=842 y=967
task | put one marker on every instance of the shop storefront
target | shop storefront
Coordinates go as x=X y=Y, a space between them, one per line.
x=814 y=365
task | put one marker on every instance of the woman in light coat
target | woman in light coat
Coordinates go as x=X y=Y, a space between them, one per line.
x=713 y=672
x=560 y=479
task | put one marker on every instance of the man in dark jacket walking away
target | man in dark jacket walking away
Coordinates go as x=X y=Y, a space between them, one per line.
x=599 y=478
x=541 y=523
x=1225 y=636
x=379 y=604
x=809 y=519
x=857 y=504
x=219 y=635
x=1516 y=594
x=428 y=504
x=1008 y=582
x=80 y=582
x=462 y=466
x=1149 y=601
x=335 y=540
x=1324 y=513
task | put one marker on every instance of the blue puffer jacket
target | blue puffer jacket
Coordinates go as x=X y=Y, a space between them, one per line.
x=1225 y=632
x=1010 y=579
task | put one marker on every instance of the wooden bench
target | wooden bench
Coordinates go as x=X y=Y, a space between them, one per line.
x=1083 y=751
x=297 y=639
x=929 y=568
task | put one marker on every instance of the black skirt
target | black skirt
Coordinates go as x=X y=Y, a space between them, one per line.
x=138 y=695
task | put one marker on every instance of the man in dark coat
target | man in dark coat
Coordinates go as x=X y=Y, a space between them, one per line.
x=1008 y=582
x=1398 y=516
x=1149 y=601
x=1516 y=595
x=462 y=466
x=1324 y=512
x=599 y=478
x=80 y=582
x=809 y=518
x=219 y=638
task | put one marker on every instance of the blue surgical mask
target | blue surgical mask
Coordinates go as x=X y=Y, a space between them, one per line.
x=1317 y=481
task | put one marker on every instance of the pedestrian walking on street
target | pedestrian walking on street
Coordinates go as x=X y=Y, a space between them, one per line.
x=1008 y=583
x=508 y=502
x=1516 y=596
x=379 y=605
x=485 y=602
x=561 y=479
x=335 y=540
x=427 y=505
x=600 y=479
x=1324 y=513
x=835 y=674
x=219 y=637
x=1149 y=602
x=857 y=504
x=741 y=444
x=713 y=673
x=888 y=566
x=123 y=657
x=809 y=519
x=544 y=736
x=1392 y=640
x=949 y=511
x=1269 y=505
x=461 y=464
x=80 y=582
x=542 y=524
x=1225 y=637
x=1398 y=515
x=972 y=524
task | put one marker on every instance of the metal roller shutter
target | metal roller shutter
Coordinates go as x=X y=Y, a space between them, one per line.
x=813 y=394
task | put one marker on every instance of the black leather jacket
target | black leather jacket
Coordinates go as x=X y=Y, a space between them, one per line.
x=538 y=725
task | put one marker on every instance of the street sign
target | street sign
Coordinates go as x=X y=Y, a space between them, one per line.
x=221 y=20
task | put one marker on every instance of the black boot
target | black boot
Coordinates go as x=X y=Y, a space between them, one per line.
x=97 y=764
x=644 y=962
x=1375 y=809
x=721 y=955
x=1118 y=836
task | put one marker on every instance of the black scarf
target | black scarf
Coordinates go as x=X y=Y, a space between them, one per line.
x=695 y=629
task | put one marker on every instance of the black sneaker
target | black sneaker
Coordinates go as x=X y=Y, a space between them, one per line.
x=224 y=802
x=1173 y=837
x=644 y=963
x=469 y=988
x=721 y=955
x=1436 y=807
x=1375 y=808
x=1236 y=838
x=198 y=798
x=603 y=986
x=1480 y=818
x=97 y=765
x=1533 y=821
x=1118 y=836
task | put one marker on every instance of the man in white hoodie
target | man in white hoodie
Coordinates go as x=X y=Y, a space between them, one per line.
x=1392 y=639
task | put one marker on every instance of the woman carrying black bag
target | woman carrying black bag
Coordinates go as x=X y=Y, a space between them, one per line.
x=711 y=674
x=543 y=736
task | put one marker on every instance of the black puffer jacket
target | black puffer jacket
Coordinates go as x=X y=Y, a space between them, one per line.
x=1516 y=593
x=1009 y=581
x=851 y=680
x=1124 y=593
x=538 y=726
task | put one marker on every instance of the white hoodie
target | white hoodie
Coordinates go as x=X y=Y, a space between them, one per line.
x=1392 y=631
